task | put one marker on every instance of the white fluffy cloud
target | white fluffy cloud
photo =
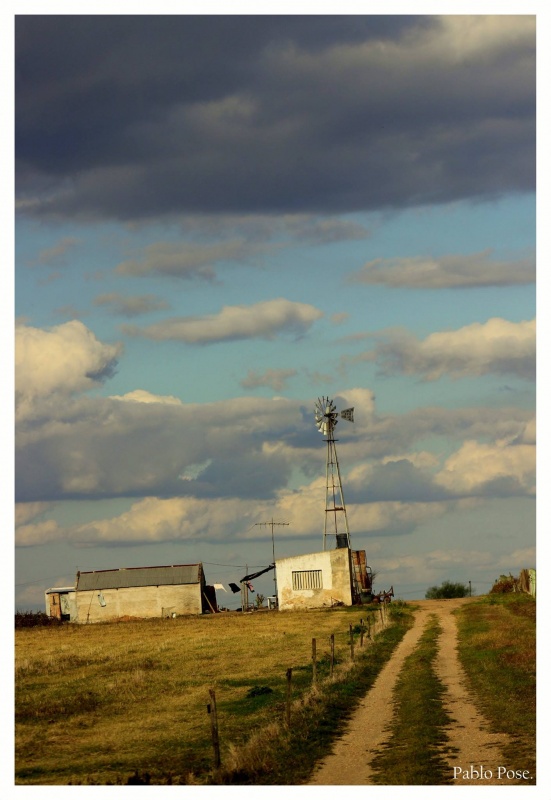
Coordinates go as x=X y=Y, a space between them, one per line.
x=262 y=320
x=65 y=359
x=478 y=467
x=496 y=346
x=154 y=519
x=142 y=396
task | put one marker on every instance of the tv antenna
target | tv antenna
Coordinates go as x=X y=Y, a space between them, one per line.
x=336 y=520
x=272 y=523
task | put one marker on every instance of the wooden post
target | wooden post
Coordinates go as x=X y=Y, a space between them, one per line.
x=288 y=703
x=361 y=633
x=314 y=665
x=351 y=644
x=211 y=708
x=382 y=614
x=369 y=627
x=332 y=659
x=210 y=604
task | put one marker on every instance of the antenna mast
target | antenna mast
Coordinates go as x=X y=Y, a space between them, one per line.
x=272 y=523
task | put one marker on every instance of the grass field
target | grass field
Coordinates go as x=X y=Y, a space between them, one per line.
x=97 y=704
x=497 y=647
x=114 y=703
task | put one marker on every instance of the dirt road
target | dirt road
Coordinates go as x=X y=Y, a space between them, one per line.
x=470 y=741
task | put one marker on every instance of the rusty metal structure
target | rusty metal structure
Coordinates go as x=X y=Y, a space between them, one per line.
x=384 y=597
x=362 y=576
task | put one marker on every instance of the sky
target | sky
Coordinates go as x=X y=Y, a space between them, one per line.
x=220 y=219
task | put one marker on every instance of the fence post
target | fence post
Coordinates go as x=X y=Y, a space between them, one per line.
x=361 y=633
x=314 y=665
x=289 y=674
x=332 y=659
x=369 y=627
x=351 y=644
x=382 y=615
x=211 y=708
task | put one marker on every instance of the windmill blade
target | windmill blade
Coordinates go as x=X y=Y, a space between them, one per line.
x=325 y=415
x=348 y=413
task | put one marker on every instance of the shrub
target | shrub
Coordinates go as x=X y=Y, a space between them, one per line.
x=505 y=584
x=446 y=591
x=32 y=619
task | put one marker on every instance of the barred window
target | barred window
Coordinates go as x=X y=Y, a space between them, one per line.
x=307 y=579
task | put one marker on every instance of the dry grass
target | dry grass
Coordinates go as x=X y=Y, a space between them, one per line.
x=96 y=703
x=497 y=647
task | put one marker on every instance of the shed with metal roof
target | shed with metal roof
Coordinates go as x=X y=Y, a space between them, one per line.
x=141 y=592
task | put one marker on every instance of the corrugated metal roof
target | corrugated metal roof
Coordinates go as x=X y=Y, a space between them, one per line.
x=139 y=576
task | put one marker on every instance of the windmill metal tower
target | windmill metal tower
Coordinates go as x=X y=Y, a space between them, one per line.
x=336 y=520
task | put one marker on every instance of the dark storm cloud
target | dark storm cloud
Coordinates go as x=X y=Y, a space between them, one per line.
x=136 y=117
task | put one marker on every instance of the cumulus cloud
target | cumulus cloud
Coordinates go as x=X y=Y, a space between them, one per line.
x=262 y=320
x=130 y=305
x=275 y=379
x=26 y=512
x=39 y=533
x=141 y=444
x=154 y=519
x=446 y=272
x=500 y=469
x=494 y=347
x=386 y=497
x=433 y=565
x=142 y=396
x=65 y=359
x=525 y=558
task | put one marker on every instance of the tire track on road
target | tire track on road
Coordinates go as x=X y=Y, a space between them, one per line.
x=368 y=731
x=350 y=762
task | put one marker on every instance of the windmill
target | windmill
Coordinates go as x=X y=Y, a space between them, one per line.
x=336 y=520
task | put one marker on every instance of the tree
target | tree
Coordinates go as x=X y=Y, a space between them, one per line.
x=446 y=591
x=259 y=600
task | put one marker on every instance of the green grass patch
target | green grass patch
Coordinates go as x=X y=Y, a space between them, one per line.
x=413 y=754
x=497 y=647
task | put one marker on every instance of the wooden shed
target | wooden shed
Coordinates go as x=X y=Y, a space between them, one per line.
x=143 y=592
x=60 y=602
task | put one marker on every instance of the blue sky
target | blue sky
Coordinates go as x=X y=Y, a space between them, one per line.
x=220 y=219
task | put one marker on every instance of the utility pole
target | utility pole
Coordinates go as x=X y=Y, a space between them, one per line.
x=272 y=524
